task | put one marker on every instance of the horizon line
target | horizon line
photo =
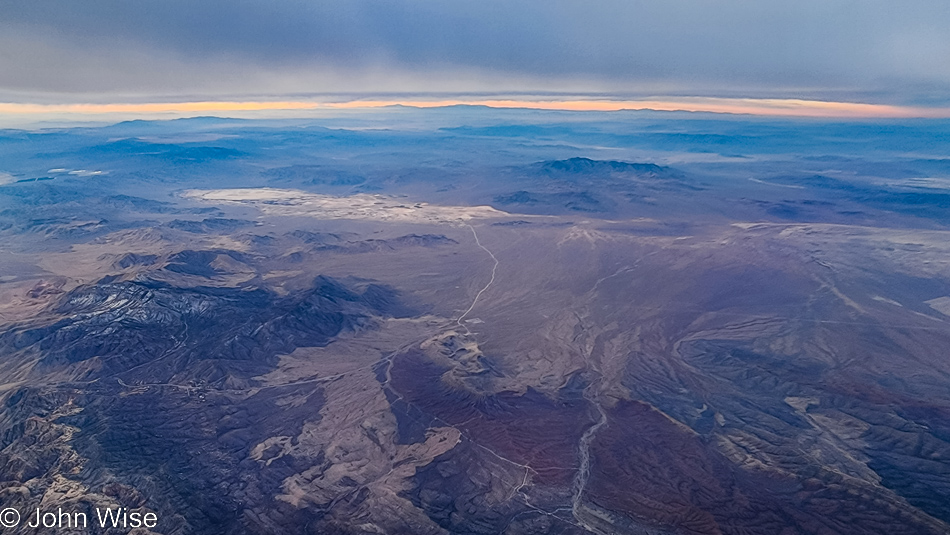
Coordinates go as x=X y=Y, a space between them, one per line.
x=719 y=105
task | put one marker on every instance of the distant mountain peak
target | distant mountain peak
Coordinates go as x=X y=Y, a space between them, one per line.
x=587 y=165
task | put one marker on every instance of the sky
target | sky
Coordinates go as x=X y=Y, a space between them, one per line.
x=874 y=52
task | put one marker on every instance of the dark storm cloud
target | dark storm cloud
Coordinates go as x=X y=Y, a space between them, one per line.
x=885 y=50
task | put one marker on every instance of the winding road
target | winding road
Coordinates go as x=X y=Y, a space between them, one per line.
x=480 y=292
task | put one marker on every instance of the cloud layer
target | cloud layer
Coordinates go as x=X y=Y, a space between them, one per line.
x=868 y=50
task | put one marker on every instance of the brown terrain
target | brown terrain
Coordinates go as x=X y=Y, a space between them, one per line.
x=309 y=330
x=744 y=378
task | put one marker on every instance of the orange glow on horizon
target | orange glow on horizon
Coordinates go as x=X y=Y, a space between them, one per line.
x=775 y=107
x=764 y=107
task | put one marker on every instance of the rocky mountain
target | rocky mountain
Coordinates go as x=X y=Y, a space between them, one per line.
x=474 y=321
